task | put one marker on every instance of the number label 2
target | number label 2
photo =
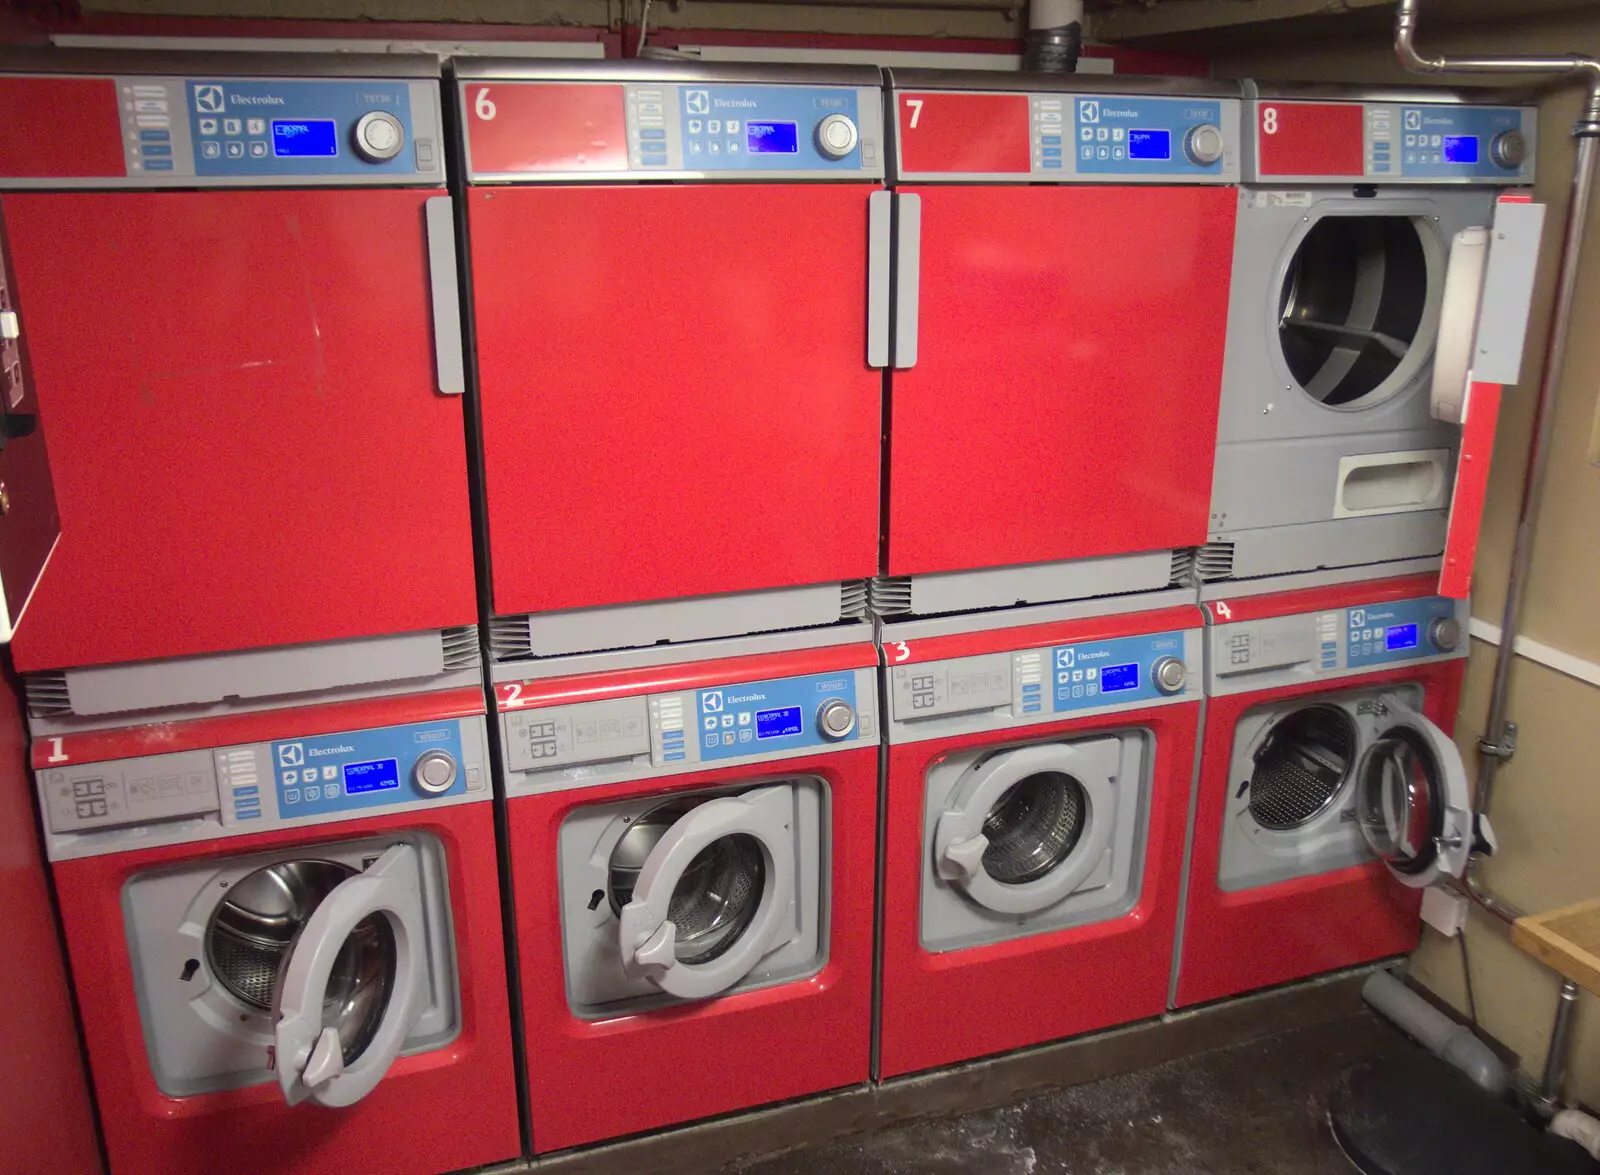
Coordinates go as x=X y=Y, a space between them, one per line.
x=1269 y=120
x=483 y=106
x=915 y=106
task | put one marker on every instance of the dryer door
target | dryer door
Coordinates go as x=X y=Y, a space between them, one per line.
x=351 y=986
x=1413 y=802
x=715 y=894
x=1026 y=827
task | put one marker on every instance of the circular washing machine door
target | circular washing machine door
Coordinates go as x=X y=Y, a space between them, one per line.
x=703 y=889
x=1412 y=798
x=1301 y=766
x=1358 y=311
x=1026 y=827
x=337 y=957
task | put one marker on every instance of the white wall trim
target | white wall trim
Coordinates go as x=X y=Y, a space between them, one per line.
x=1546 y=655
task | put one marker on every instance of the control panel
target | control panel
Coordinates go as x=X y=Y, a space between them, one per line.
x=1137 y=136
x=1253 y=654
x=662 y=733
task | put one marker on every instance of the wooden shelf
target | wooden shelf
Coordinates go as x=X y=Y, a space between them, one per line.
x=1566 y=940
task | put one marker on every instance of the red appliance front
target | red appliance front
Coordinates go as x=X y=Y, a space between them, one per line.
x=1063 y=404
x=247 y=441
x=437 y=1111
x=674 y=390
x=943 y=1008
x=1253 y=938
x=590 y=1080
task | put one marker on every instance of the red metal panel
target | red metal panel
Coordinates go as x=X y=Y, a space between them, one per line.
x=942 y=1008
x=1064 y=401
x=1035 y=636
x=438 y=1111
x=1240 y=941
x=594 y=1079
x=1318 y=599
x=1472 y=489
x=1310 y=138
x=674 y=390
x=534 y=127
x=247 y=444
x=60 y=127
x=970 y=133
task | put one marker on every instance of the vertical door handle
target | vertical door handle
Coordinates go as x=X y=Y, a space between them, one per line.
x=879 y=256
x=449 y=359
x=907 y=276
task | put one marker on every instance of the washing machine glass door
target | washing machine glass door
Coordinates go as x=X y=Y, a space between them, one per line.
x=713 y=894
x=351 y=985
x=1412 y=798
x=1026 y=827
x=1301 y=767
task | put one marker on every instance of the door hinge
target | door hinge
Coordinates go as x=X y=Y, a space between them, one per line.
x=1506 y=748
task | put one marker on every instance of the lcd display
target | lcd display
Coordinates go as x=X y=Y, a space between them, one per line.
x=304 y=136
x=378 y=775
x=1149 y=144
x=773 y=723
x=1115 y=678
x=1461 y=148
x=772 y=138
x=1401 y=636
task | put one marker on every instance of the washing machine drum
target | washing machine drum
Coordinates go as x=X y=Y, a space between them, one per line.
x=1301 y=767
x=1358 y=310
x=703 y=889
x=1412 y=799
x=1025 y=827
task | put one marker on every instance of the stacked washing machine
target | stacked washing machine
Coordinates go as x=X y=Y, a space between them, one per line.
x=252 y=661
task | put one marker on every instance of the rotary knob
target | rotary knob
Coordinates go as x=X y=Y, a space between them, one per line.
x=836 y=136
x=1169 y=675
x=836 y=719
x=1444 y=634
x=379 y=136
x=1508 y=150
x=1204 y=144
x=435 y=772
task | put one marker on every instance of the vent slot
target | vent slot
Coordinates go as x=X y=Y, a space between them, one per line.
x=854 y=598
x=47 y=693
x=460 y=648
x=1215 y=561
x=1184 y=560
x=509 y=638
x=890 y=595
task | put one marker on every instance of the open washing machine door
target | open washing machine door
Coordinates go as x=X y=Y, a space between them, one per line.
x=705 y=889
x=1413 y=803
x=350 y=987
x=1026 y=827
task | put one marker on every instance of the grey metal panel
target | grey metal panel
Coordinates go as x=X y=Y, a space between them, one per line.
x=880 y=207
x=1338 y=543
x=1231 y=589
x=449 y=358
x=907 y=277
x=921 y=629
x=1065 y=83
x=1039 y=583
x=651 y=70
x=1508 y=292
x=226 y=64
x=1336 y=92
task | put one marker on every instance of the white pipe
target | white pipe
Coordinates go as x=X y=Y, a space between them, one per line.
x=1435 y=1031
x=1580 y=1127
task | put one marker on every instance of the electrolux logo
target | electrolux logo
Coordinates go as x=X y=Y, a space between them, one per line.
x=736 y=699
x=208 y=99
x=255 y=100
x=341 y=749
x=711 y=702
x=1089 y=110
x=291 y=755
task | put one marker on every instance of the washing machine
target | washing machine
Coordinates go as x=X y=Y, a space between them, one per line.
x=1360 y=213
x=285 y=935
x=1330 y=793
x=1063 y=247
x=235 y=278
x=680 y=307
x=1039 y=766
x=692 y=838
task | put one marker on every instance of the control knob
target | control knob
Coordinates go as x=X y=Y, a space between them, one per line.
x=836 y=719
x=1169 y=675
x=1204 y=144
x=836 y=136
x=1508 y=150
x=379 y=136
x=435 y=772
x=1444 y=634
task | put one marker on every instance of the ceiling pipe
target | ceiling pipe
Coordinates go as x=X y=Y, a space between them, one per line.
x=1055 y=36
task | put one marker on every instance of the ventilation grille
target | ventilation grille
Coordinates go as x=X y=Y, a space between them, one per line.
x=854 y=597
x=460 y=648
x=1215 y=561
x=889 y=595
x=509 y=639
x=47 y=693
x=1184 y=560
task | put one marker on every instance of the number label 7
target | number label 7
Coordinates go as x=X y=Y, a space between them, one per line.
x=915 y=106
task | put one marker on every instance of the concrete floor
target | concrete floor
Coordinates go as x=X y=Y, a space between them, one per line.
x=1254 y=1109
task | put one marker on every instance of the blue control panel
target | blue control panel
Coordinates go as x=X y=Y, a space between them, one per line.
x=358 y=770
x=1132 y=135
x=254 y=128
x=1445 y=142
x=765 y=716
x=741 y=128
x=1380 y=634
x=1103 y=673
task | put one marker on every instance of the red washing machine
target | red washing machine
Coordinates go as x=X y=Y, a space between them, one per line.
x=1039 y=775
x=236 y=279
x=1064 y=249
x=285 y=936
x=1330 y=793
x=693 y=837
x=680 y=293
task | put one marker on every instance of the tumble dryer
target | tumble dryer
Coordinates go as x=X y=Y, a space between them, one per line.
x=1329 y=791
x=1336 y=445
x=1062 y=257
x=235 y=276
x=1039 y=763
x=680 y=300
x=287 y=906
x=692 y=837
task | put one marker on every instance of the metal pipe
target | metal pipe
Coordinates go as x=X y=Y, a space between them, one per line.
x=1473 y=888
x=1555 y=1060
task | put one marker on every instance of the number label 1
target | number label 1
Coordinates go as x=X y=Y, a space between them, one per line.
x=915 y=106
x=1222 y=610
x=58 y=753
x=483 y=106
x=511 y=696
x=1269 y=120
x=901 y=650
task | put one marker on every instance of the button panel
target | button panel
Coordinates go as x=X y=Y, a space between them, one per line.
x=767 y=715
x=127 y=791
x=359 y=770
x=537 y=739
x=1130 y=135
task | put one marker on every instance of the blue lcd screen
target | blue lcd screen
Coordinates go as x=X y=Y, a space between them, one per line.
x=378 y=775
x=1149 y=144
x=304 y=136
x=1461 y=148
x=772 y=138
x=774 y=723
x=1115 y=678
x=1401 y=636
